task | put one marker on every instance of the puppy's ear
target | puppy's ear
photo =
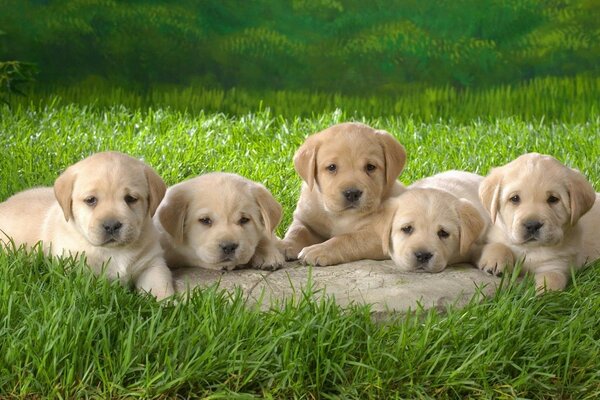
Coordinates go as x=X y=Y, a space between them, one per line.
x=63 y=191
x=173 y=212
x=386 y=232
x=395 y=157
x=156 y=187
x=489 y=192
x=305 y=160
x=471 y=225
x=581 y=193
x=270 y=209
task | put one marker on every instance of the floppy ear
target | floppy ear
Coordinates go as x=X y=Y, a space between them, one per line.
x=581 y=193
x=270 y=209
x=63 y=191
x=173 y=212
x=387 y=231
x=489 y=192
x=305 y=160
x=394 y=155
x=157 y=189
x=471 y=225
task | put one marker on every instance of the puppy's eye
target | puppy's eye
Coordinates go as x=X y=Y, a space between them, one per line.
x=130 y=199
x=443 y=234
x=553 y=200
x=90 y=201
x=205 y=221
x=332 y=168
x=515 y=199
x=370 y=168
x=244 y=221
x=408 y=229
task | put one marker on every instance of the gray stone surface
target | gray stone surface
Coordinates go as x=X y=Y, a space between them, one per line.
x=378 y=283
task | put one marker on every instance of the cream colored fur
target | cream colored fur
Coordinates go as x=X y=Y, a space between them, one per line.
x=220 y=221
x=437 y=222
x=88 y=198
x=538 y=191
x=328 y=227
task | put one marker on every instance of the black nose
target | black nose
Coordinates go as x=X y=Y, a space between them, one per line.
x=228 y=247
x=423 y=256
x=352 y=195
x=533 y=226
x=112 y=226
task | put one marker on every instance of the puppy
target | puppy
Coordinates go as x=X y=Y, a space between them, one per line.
x=102 y=207
x=219 y=221
x=535 y=204
x=349 y=170
x=437 y=222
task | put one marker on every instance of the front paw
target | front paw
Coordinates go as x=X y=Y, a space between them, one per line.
x=268 y=261
x=290 y=250
x=318 y=255
x=495 y=259
x=551 y=281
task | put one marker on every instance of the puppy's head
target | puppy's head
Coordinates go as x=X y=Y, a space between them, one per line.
x=428 y=228
x=220 y=216
x=109 y=197
x=536 y=199
x=352 y=165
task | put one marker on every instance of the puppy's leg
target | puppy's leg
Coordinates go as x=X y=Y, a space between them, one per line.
x=156 y=280
x=496 y=258
x=267 y=255
x=551 y=280
x=296 y=238
x=364 y=244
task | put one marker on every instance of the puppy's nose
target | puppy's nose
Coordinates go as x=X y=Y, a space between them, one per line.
x=352 y=195
x=228 y=247
x=532 y=226
x=423 y=256
x=112 y=226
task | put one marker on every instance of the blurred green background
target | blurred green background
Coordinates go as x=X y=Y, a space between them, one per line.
x=350 y=47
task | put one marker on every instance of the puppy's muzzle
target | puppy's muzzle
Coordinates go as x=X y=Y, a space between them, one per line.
x=423 y=257
x=112 y=230
x=352 y=195
x=228 y=248
x=531 y=229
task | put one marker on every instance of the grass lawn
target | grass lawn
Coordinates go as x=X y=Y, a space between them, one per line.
x=64 y=333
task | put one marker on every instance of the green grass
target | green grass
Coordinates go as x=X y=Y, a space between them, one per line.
x=64 y=333
x=558 y=99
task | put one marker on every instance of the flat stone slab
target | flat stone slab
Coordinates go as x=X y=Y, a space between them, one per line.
x=378 y=283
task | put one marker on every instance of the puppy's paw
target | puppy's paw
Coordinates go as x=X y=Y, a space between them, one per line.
x=551 y=281
x=290 y=250
x=318 y=255
x=268 y=260
x=495 y=259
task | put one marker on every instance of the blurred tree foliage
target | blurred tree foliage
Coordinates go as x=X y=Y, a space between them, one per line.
x=351 y=46
x=14 y=75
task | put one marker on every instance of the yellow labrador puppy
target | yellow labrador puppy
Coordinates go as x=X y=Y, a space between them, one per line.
x=536 y=204
x=349 y=170
x=437 y=222
x=219 y=221
x=101 y=206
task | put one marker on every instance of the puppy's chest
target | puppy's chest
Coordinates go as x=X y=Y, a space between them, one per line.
x=345 y=224
x=117 y=264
